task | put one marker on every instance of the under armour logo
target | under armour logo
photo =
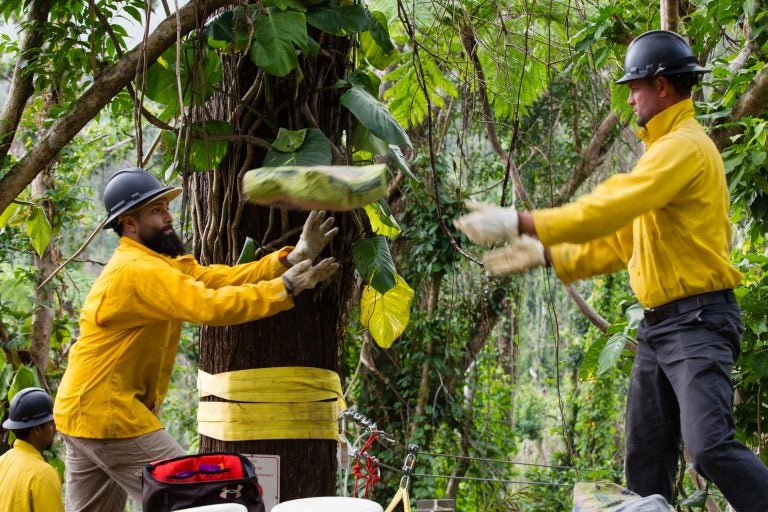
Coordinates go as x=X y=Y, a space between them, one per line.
x=227 y=493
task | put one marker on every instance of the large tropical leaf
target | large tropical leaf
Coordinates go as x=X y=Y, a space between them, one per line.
x=386 y=315
x=374 y=116
x=339 y=20
x=25 y=377
x=276 y=36
x=305 y=147
x=374 y=263
x=376 y=43
x=406 y=98
x=381 y=219
x=229 y=31
x=199 y=74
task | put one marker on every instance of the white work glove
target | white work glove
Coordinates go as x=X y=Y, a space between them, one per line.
x=488 y=224
x=521 y=255
x=314 y=237
x=305 y=276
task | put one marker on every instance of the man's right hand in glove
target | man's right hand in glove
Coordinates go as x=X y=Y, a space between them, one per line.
x=305 y=276
x=488 y=224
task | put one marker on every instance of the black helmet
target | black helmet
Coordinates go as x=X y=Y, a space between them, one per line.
x=131 y=188
x=30 y=407
x=659 y=53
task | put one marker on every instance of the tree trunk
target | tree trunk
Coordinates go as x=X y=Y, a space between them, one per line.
x=310 y=334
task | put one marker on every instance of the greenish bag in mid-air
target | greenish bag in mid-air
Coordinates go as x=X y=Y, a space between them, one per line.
x=334 y=188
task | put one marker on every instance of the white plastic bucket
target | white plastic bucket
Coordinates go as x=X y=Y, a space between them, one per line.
x=224 y=507
x=328 y=504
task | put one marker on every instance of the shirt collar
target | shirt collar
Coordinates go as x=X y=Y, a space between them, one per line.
x=23 y=446
x=665 y=121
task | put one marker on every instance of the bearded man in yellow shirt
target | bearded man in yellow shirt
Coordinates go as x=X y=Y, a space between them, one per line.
x=27 y=482
x=130 y=324
x=667 y=223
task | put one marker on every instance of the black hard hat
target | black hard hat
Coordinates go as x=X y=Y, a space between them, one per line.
x=130 y=188
x=659 y=53
x=30 y=407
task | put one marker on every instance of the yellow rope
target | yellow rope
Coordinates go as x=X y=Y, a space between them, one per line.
x=291 y=402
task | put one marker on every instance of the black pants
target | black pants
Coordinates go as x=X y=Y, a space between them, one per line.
x=681 y=390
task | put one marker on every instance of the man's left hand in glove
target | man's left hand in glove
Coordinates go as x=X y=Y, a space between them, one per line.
x=521 y=255
x=315 y=235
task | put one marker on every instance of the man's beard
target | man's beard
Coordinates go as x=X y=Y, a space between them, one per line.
x=161 y=242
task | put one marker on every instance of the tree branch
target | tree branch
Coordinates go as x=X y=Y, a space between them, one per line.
x=592 y=158
x=22 y=83
x=96 y=97
x=751 y=103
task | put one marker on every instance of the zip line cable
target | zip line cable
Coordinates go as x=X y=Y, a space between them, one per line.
x=372 y=430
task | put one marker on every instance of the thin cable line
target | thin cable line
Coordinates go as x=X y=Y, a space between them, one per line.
x=479 y=479
x=482 y=459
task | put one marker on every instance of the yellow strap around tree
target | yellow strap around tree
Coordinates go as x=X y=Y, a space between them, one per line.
x=291 y=402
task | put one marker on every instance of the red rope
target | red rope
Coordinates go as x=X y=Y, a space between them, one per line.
x=372 y=473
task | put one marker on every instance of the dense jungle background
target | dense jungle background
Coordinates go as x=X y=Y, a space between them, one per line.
x=513 y=389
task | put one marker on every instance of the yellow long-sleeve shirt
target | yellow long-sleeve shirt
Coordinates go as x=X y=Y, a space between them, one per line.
x=27 y=482
x=666 y=221
x=130 y=324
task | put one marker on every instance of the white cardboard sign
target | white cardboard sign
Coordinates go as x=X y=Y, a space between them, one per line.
x=268 y=471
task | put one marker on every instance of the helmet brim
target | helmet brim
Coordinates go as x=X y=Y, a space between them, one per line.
x=168 y=193
x=10 y=424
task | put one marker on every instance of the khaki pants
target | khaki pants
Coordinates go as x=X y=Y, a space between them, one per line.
x=102 y=473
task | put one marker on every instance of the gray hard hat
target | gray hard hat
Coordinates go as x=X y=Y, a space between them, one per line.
x=131 y=188
x=659 y=53
x=30 y=407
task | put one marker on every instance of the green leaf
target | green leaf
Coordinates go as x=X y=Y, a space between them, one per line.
x=199 y=74
x=203 y=155
x=386 y=315
x=8 y=215
x=39 y=230
x=588 y=367
x=376 y=43
x=635 y=314
x=400 y=162
x=365 y=79
x=610 y=354
x=248 y=254
x=25 y=377
x=275 y=39
x=313 y=149
x=339 y=21
x=289 y=141
x=381 y=219
x=228 y=31
x=285 y=5
x=374 y=116
x=374 y=263
x=406 y=99
x=697 y=499
x=6 y=371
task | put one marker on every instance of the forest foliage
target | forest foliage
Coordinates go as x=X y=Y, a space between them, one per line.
x=511 y=392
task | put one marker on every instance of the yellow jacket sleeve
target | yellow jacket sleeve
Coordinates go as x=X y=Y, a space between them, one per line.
x=601 y=256
x=152 y=288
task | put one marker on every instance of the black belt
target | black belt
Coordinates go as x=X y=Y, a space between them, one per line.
x=653 y=316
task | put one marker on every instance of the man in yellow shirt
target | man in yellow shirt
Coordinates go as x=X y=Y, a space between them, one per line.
x=667 y=223
x=27 y=482
x=130 y=324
